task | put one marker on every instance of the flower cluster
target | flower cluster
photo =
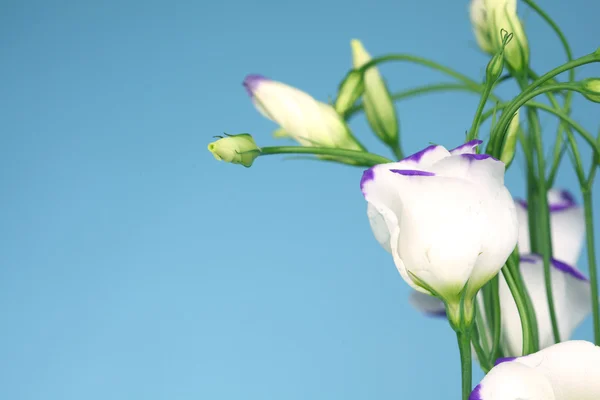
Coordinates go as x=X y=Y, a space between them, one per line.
x=502 y=271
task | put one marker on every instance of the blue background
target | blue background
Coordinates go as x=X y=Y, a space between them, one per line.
x=135 y=266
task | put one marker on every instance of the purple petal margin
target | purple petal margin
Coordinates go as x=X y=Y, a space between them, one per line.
x=252 y=81
x=567 y=269
x=471 y=144
x=567 y=201
x=417 y=156
x=529 y=259
x=477 y=157
x=559 y=265
x=504 y=359
x=476 y=393
x=367 y=176
x=411 y=172
x=436 y=314
x=522 y=203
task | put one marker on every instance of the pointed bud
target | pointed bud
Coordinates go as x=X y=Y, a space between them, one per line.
x=379 y=107
x=489 y=18
x=510 y=143
x=351 y=88
x=236 y=149
x=299 y=115
x=591 y=87
x=494 y=68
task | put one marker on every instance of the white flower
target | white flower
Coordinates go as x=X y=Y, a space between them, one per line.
x=567 y=224
x=571 y=289
x=572 y=302
x=446 y=217
x=564 y=371
x=377 y=101
x=488 y=18
x=306 y=120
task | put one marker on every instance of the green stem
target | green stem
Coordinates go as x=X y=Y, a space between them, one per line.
x=543 y=216
x=556 y=29
x=481 y=353
x=496 y=319
x=427 y=63
x=359 y=158
x=544 y=107
x=397 y=150
x=476 y=120
x=421 y=90
x=591 y=253
x=464 y=347
x=533 y=87
x=521 y=307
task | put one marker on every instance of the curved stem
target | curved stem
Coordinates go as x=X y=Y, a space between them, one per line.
x=425 y=62
x=359 y=158
x=464 y=347
x=543 y=213
x=496 y=318
x=511 y=106
x=521 y=307
x=420 y=90
x=591 y=253
x=502 y=126
x=476 y=120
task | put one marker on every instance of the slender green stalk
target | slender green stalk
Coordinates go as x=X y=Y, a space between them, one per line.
x=544 y=107
x=464 y=347
x=591 y=253
x=543 y=214
x=496 y=319
x=476 y=120
x=420 y=90
x=427 y=63
x=397 y=150
x=479 y=350
x=533 y=87
x=359 y=158
x=521 y=307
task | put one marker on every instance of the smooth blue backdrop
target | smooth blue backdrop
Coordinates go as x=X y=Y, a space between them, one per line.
x=135 y=266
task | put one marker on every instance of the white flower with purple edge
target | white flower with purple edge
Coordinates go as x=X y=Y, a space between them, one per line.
x=300 y=116
x=572 y=291
x=446 y=217
x=564 y=371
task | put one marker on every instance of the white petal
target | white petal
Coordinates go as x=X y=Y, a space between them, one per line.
x=572 y=368
x=379 y=227
x=310 y=122
x=513 y=381
x=572 y=302
x=522 y=217
x=467 y=148
x=427 y=304
x=441 y=228
x=421 y=160
x=567 y=224
x=501 y=233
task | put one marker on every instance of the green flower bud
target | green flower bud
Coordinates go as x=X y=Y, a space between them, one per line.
x=591 y=87
x=510 y=143
x=351 y=88
x=236 y=149
x=379 y=107
x=494 y=68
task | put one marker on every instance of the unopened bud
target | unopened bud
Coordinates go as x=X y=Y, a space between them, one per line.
x=351 y=88
x=236 y=149
x=591 y=89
